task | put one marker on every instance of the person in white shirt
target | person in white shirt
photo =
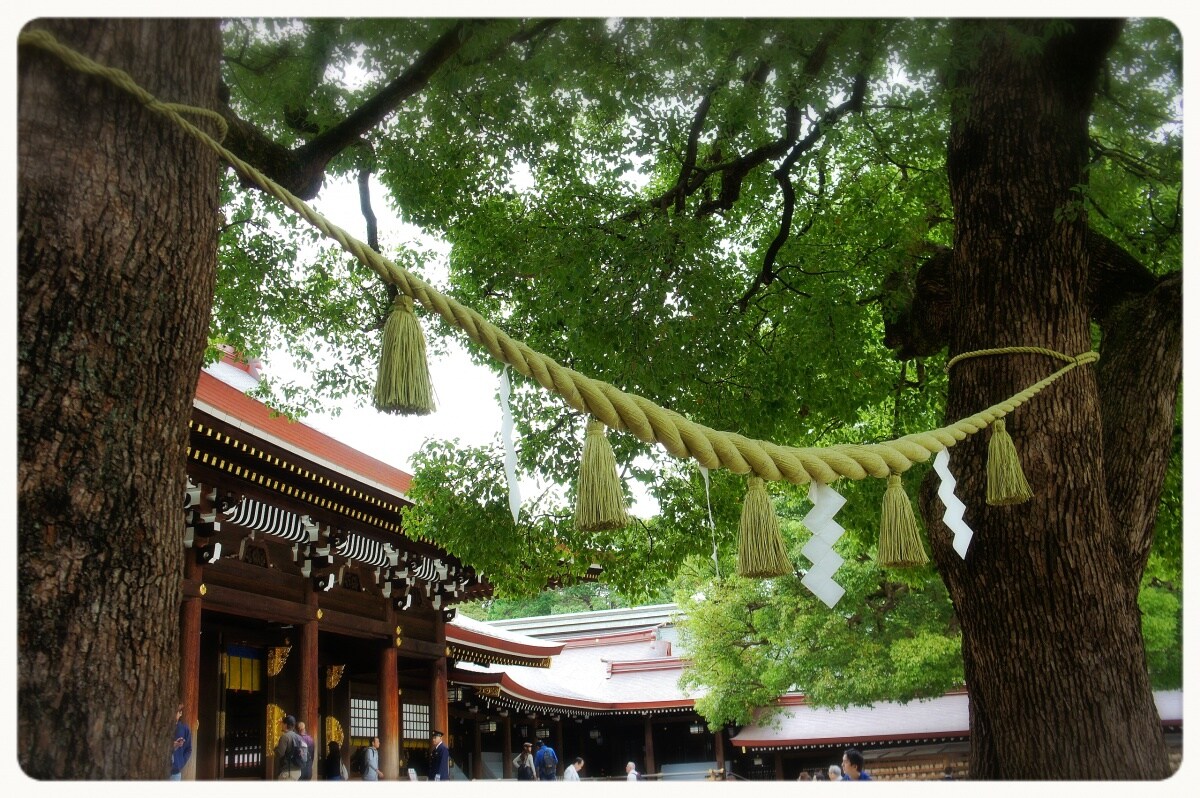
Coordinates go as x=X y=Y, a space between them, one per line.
x=572 y=771
x=631 y=773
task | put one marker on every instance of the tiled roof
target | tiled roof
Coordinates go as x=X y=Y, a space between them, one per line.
x=569 y=625
x=944 y=716
x=623 y=673
x=481 y=637
x=798 y=724
x=228 y=403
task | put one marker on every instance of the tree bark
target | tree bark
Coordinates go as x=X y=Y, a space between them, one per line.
x=1044 y=594
x=117 y=234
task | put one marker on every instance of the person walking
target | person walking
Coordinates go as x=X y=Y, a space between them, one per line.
x=571 y=773
x=181 y=746
x=852 y=766
x=631 y=773
x=335 y=770
x=523 y=764
x=310 y=752
x=545 y=762
x=370 y=770
x=288 y=751
x=439 y=758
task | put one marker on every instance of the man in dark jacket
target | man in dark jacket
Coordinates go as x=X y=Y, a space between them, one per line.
x=852 y=766
x=181 y=746
x=287 y=757
x=439 y=758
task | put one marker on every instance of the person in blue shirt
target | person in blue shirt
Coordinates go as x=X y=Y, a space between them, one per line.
x=371 y=761
x=181 y=746
x=545 y=762
x=852 y=766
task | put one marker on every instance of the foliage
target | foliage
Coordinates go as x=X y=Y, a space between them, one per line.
x=600 y=185
x=751 y=641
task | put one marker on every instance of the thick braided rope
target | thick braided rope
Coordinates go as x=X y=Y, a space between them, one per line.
x=616 y=409
x=1012 y=350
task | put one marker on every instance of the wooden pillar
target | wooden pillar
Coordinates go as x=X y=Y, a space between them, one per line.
x=779 y=766
x=189 y=675
x=649 y=764
x=389 y=713
x=720 y=747
x=477 y=759
x=439 y=708
x=558 y=742
x=508 y=746
x=310 y=685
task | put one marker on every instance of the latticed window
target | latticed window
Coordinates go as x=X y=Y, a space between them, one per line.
x=364 y=718
x=416 y=724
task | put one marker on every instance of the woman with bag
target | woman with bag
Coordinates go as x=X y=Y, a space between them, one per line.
x=523 y=764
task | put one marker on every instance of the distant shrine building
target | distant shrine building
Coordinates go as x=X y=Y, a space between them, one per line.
x=303 y=596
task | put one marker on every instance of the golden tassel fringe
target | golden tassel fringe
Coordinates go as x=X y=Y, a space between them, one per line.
x=403 y=384
x=600 y=503
x=899 y=541
x=760 y=543
x=1006 y=481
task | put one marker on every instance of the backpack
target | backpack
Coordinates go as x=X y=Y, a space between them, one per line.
x=549 y=763
x=297 y=753
x=305 y=760
x=358 y=762
x=525 y=771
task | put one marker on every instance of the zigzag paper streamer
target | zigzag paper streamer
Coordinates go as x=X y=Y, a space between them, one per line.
x=819 y=548
x=953 y=519
x=711 y=525
x=510 y=452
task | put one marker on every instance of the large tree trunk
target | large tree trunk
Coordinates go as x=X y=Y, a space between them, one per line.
x=117 y=215
x=1047 y=595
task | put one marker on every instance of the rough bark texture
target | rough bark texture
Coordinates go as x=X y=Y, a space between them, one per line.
x=1047 y=595
x=117 y=215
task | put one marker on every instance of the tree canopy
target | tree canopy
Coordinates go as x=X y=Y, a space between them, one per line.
x=743 y=220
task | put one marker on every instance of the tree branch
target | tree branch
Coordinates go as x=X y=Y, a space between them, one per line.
x=302 y=171
x=919 y=328
x=1138 y=375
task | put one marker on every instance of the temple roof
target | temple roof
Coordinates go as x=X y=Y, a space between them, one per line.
x=623 y=672
x=798 y=725
x=479 y=642
x=218 y=394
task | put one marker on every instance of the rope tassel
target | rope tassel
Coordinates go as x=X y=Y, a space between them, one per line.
x=760 y=544
x=403 y=384
x=600 y=504
x=1006 y=481
x=899 y=541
